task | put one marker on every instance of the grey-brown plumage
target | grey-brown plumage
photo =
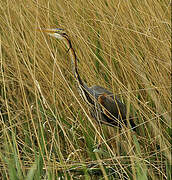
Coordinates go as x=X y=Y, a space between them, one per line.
x=108 y=109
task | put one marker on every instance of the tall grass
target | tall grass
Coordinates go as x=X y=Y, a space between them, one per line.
x=46 y=129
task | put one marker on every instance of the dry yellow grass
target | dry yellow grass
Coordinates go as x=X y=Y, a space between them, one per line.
x=121 y=45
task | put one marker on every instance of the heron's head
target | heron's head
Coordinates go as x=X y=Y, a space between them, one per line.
x=56 y=32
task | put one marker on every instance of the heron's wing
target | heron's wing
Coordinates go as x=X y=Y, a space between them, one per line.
x=102 y=118
x=109 y=109
x=113 y=108
x=109 y=103
x=107 y=112
x=100 y=90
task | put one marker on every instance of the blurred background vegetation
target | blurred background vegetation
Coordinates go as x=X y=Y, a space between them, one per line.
x=46 y=131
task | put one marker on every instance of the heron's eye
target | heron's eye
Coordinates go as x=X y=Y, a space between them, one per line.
x=63 y=34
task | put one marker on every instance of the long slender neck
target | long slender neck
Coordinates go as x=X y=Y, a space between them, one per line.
x=73 y=58
x=85 y=90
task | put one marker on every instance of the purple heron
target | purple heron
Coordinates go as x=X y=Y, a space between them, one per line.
x=104 y=107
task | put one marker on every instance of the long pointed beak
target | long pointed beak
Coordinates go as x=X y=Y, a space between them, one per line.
x=55 y=32
x=51 y=31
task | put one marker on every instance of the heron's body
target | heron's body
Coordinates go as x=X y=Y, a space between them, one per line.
x=104 y=107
